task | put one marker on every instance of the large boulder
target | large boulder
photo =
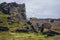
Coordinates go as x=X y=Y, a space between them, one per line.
x=28 y=22
x=51 y=33
x=22 y=30
x=42 y=28
x=34 y=29
x=45 y=27
x=5 y=10
x=51 y=21
x=2 y=28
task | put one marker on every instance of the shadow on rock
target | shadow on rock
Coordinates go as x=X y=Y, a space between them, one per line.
x=51 y=33
x=2 y=28
x=22 y=30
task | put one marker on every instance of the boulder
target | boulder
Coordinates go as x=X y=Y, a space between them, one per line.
x=52 y=21
x=9 y=18
x=5 y=10
x=22 y=30
x=45 y=26
x=42 y=28
x=28 y=22
x=33 y=29
x=51 y=33
x=2 y=28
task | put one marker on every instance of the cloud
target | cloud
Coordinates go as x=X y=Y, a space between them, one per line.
x=45 y=8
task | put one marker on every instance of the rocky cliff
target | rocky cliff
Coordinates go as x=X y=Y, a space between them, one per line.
x=14 y=10
x=12 y=15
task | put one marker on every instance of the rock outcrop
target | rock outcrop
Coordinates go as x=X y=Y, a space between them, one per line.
x=14 y=10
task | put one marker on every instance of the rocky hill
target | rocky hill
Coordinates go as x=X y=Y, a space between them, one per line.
x=12 y=15
x=14 y=10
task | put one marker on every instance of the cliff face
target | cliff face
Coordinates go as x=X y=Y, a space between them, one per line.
x=14 y=10
x=12 y=15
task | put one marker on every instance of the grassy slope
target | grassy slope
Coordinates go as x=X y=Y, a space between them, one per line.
x=18 y=36
x=22 y=36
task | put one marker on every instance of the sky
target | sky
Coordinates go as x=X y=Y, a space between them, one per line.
x=40 y=8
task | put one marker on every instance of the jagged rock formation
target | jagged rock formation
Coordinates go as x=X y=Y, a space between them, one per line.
x=12 y=15
x=14 y=10
x=49 y=24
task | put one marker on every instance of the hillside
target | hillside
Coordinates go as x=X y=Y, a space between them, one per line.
x=8 y=35
x=15 y=26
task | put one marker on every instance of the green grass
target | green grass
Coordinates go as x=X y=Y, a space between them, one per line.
x=21 y=36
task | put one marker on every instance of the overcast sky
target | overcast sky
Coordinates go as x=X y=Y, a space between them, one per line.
x=40 y=8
